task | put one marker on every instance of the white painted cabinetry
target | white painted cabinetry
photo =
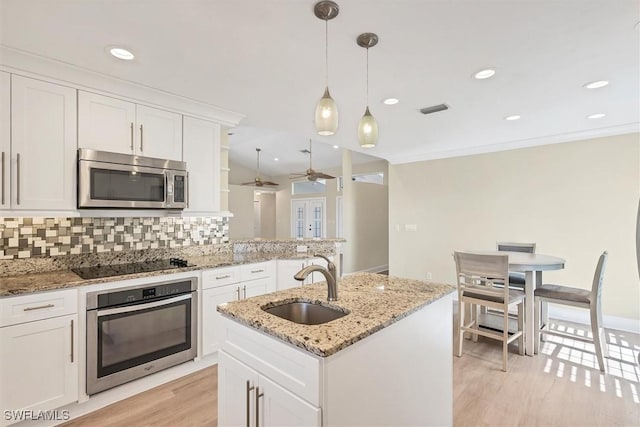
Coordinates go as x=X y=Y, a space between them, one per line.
x=227 y=284
x=201 y=152
x=265 y=403
x=111 y=124
x=43 y=145
x=5 y=138
x=38 y=351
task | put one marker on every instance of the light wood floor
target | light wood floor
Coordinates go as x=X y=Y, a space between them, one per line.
x=559 y=387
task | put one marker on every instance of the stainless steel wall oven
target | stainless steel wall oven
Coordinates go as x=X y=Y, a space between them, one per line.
x=136 y=331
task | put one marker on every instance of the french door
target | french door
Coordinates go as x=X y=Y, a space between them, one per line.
x=308 y=218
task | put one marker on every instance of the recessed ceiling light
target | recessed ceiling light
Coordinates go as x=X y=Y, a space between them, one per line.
x=596 y=116
x=275 y=159
x=484 y=74
x=121 y=53
x=390 y=101
x=336 y=147
x=595 y=85
x=512 y=118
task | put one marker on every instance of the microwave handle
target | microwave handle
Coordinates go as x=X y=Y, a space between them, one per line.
x=186 y=184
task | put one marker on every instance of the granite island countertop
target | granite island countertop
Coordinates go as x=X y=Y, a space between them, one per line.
x=374 y=302
x=59 y=279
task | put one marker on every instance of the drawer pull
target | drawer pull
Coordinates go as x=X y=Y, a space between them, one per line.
x=257 y=271
x=226 y=276
x=39 y=307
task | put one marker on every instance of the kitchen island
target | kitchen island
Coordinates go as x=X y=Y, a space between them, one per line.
x=387 y=362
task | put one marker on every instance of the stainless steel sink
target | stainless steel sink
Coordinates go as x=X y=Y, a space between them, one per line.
x=306 y=313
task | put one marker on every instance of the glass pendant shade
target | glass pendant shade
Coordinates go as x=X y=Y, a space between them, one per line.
x=368 y=130
x=326 y=119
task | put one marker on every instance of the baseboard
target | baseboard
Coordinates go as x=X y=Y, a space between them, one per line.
x=582 y=316
x=376 y=269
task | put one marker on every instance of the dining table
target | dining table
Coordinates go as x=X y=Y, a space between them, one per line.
x=532 y=265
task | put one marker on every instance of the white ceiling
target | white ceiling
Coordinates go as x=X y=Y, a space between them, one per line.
x=265 y=59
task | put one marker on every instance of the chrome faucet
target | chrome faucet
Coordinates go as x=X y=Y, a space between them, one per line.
x=329 y=273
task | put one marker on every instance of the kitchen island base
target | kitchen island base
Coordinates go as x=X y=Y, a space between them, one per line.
x=400 y=375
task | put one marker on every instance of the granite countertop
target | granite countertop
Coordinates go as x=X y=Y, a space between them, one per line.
x=59 y=279
x=374 y=302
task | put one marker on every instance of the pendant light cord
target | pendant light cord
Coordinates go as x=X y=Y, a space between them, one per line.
x=367 y=77
x=326 y=52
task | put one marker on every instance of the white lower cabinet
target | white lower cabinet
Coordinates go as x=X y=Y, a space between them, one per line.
x=246 y=398
x=38 y=352
x=230 y=284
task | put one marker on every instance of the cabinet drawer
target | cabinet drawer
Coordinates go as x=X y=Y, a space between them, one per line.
x=45 y=305
x=294 y=369
x=256 y=271
x=220 y=277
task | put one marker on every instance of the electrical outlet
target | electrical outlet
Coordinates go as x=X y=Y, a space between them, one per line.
x=429 y=275
x=301 y=248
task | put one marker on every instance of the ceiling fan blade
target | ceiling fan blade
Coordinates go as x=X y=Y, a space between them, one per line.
x=249 y=183
x=269 y=183
x=323 y=175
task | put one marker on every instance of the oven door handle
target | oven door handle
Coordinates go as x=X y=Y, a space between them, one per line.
x=138 y=307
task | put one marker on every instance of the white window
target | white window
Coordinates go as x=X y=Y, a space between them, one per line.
x=318 y=186
x=371 y=178
x=308 y=218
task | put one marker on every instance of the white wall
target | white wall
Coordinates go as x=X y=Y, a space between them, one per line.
x=574 y=200
x=241 y=206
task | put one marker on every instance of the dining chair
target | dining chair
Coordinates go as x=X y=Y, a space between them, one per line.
x=476 y=277
x=576 y=297
x=516 y=278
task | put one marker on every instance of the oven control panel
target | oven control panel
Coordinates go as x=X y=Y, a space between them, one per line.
x=132 y=296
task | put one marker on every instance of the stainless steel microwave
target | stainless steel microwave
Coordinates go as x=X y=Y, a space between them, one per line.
x=114 y=180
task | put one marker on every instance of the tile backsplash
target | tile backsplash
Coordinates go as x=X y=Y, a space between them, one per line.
x=27 y=237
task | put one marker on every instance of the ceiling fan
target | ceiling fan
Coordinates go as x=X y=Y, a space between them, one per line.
x=311 y=174
x=258 y=182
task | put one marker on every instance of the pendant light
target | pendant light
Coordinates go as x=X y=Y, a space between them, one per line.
x=326 y=117
x=368 y=127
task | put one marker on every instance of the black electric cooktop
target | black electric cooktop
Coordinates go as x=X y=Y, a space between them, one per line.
x=100 y=271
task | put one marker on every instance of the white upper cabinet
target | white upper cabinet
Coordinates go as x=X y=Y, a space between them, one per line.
x=43 y=145
x=106 y=123
x=5 y=138
x=111 y=124
x=201 y=150
x=160 y=133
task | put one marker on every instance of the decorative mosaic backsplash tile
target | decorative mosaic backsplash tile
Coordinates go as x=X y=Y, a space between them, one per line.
x=38 y=237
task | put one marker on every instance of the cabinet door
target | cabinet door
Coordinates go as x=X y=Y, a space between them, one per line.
x=279 y=407
x=286 y=270
x=236 y=392
x=256 y=287
x=43 y=142
x=38 y=364
x=201 y=152
x=159 y=133
x=106 y=124
x=5 y=138
x=211 y=319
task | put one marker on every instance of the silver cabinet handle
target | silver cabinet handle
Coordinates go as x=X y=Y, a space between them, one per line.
x=226 y=276
x=256 y=271
x=238 y=291
x=249 y=389
x=39 y=307
x=71 y=340
x=258 y=396
x=131 y=127
x=2 y=178
x=18 y=178
x=141 y=137
x=244 y=290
